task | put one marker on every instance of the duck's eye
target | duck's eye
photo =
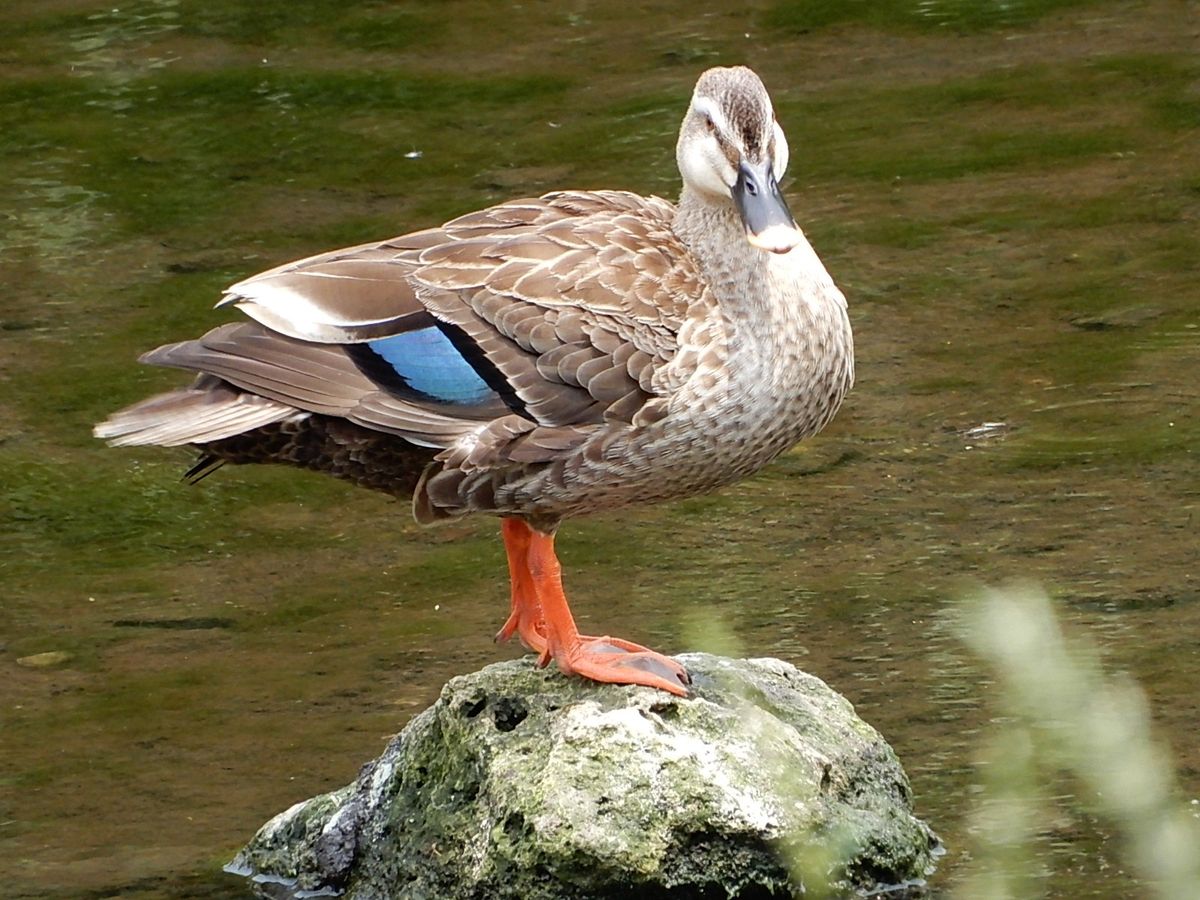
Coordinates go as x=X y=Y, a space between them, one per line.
x=709 y=125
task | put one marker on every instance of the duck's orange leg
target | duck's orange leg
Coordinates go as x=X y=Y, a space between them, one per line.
x=526 y=616
x=604 y=659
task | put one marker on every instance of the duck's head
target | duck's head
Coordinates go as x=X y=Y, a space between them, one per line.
x=732 y=150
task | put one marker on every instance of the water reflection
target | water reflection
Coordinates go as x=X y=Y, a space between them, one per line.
x=50 y=224
x=116 y=47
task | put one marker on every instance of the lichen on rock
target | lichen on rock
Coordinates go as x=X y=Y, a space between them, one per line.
x=520 y=783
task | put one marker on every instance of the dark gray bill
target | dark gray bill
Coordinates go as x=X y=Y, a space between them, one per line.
x=769 y=223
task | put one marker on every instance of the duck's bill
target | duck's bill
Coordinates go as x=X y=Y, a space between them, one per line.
x=769 y=223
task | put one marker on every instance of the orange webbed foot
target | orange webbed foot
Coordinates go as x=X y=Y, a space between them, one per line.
x=616 y=661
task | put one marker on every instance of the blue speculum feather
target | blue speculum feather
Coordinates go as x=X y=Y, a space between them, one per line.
x=429 y=363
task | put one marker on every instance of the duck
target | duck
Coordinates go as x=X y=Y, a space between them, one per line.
x=579 y=352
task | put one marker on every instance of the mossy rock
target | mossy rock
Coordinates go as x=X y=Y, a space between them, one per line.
x=521 y=783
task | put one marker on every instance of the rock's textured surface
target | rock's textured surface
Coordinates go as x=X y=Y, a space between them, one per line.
x=520 y=783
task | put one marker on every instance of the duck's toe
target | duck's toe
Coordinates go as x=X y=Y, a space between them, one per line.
x=616 y=661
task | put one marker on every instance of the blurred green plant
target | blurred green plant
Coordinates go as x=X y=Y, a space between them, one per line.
x=1065 y=713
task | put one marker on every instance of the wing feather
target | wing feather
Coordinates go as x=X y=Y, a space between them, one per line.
x=318 y=378
x=208 y=410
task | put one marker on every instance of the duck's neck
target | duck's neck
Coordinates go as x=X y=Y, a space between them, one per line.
x=712 y=230
x=708 y=226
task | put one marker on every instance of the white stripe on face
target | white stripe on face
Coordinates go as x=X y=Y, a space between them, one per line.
x=707 y=107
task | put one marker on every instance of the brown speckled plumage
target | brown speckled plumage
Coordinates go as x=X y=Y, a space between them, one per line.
x=614 y=349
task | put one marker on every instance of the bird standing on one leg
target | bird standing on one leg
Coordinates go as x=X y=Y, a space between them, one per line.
x=539 y=359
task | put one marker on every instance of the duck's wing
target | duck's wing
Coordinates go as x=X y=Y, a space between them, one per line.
x=566 y=309
x=363 y=292
x=526 y=325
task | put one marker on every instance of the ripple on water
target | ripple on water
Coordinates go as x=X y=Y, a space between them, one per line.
x=52 y=222
x=111 y=47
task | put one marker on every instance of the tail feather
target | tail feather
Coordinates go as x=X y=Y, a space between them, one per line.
x=209 y=410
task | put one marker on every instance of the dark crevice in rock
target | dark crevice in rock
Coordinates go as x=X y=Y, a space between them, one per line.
x=509 y=712
x=472 y=707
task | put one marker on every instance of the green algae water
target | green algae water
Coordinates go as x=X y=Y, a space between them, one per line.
x=1007 y=193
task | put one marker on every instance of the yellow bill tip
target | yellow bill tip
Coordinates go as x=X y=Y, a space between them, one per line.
x=776 y=238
